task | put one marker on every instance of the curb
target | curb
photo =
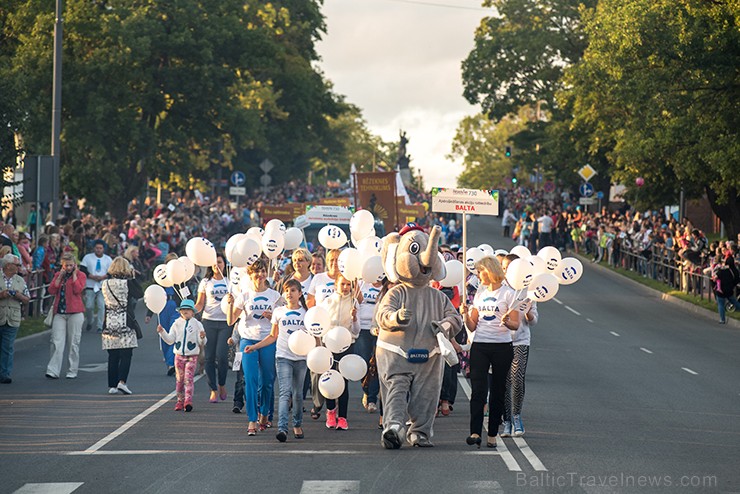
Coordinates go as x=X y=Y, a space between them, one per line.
x=32 y=340
x=688 y=306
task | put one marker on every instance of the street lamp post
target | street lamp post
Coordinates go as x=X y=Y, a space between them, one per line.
x=56 y=112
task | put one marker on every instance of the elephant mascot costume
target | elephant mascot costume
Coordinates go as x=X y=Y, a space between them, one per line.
x=409 y=317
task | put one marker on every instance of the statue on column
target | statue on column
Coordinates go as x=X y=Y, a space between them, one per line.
x=403 y=158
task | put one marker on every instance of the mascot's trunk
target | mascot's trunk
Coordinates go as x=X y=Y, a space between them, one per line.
x=427 y=257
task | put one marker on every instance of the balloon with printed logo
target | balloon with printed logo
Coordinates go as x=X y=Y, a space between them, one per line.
x=201 y=251
x=352 y=367
x=372 y=270
x=350 y=263
x=454 y=273
x=300 y=342
x=293 y=238
x=273 y=242
x=370 y=246
x=538 y=264
x=331 y=384
x=176 y=271
x=317 y=320
x=521 y=251
x=544 y=286
x=236 y=277
x=275 y=224
x=361 y=223
x=487 y=249
x=569 y=271
x=472 y=256
x=245 y=252
x=337 y=339
x=188 y=266
x=332 y=237
x=551 y=256
x=255 y=233
x=519 y=274
x=319 y=360
x=231 y=243
x=160 y=276
x=155 y=298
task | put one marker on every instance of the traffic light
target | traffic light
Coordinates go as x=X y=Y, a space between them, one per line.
x=507 y=153
x=514 y=180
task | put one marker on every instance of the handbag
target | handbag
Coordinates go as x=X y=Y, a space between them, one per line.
x=131 y=321
x=49 y=319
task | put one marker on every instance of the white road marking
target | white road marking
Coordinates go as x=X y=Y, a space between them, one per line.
x=489 y=486
x=133 y=452
x=590 y=320
x=501 y=449
x=573 y=311
x=690 y=371
x=645 y=350
x=102 y=367
x=615 y=334
x=529 y=454
x=95 y=447
x=49 y=488
x=330 y=487
x=558 y=301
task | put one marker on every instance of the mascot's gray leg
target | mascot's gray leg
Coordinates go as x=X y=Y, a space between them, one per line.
x=422 y=406
x=394 y=389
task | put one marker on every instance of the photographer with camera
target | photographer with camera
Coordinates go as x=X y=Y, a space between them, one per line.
x=14 y=293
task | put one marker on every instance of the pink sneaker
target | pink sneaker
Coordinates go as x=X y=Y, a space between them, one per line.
x=342 y=424
x=179 y=406
x=331 y=419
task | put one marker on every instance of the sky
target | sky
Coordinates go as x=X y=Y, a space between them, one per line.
x=400 y=62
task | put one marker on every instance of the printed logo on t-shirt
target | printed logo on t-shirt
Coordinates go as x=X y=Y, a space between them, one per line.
x=371 y=295
x=488 y=308
x=219 y=291
x=327 y=289
x=292 y=321
x=259 y=305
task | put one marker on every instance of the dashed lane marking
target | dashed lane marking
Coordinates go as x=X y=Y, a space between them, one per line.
x=487 y=486
x=693 y=373
x=330 y=487
x=590 y=320
x=645 y=350
x=557 y=301
x=614 y=333
x=573 y=311
x=49 y=488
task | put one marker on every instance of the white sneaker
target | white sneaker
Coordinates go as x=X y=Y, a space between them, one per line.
x=372 y=407
x=124 y=389
x=113 y=391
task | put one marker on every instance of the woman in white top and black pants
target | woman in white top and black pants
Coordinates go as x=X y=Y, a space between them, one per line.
x=491 y=348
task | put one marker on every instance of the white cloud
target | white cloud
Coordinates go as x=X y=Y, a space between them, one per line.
x=400 y=63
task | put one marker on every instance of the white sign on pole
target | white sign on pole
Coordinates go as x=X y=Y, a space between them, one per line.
x=238 y=191
x=464 y=201
x=587 y=201
x=266 y=166
x=336 y=215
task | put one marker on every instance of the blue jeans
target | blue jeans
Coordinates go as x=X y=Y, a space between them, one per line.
x=7 y=341
x=365 y=348
x=291 y=374
x=254 y=365
x=94 y=300
x=722 y=301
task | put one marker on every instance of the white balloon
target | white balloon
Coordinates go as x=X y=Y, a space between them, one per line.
x=300 y=342
x=201 y=251
x=176 y=271
x=487 y=249
x=275 y=224
x=472 y=256
x=331 y=384
x=231 y=243
x=155 y=298
x=293 y=238
x=189 y=267
x=569 y=271
x=370 y=246
x=161 y=277
x=538 y=264
x=500 y=252
x=350 y=263
x=236 y=277
x=272 y=243
x=551 y=256
x=224 y=304
x=454 y=273
x=245 y=252
x=332 y=237
x=521 y=251
x=372 y=270
x=337 y=339
x=317 y=320
x=255 y=233
x=361 y=223
x=519 y=274
x=319 y=360
x=352 y=367
x=544 y=286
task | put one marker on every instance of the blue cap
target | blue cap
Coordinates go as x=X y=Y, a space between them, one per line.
x=187 y=304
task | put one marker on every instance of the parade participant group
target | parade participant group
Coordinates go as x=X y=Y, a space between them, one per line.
x=399 y=296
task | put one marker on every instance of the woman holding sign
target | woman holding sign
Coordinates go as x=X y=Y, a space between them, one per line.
x=491 y=348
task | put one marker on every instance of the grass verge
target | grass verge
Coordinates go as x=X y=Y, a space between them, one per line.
x=31 y=325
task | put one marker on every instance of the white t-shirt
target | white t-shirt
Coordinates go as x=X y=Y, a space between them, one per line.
x=96 y=266
x=366 y=310
x=215 y=290
x=252 y=325
x=492 y=305
x=288 y=321
x=321 y=287
x=545 y=224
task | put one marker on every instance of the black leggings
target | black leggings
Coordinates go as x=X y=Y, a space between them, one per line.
x=482 y=357
x=119 y=363
x=217 y=352
x=344 y=398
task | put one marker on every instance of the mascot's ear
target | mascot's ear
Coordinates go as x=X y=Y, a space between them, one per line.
x=388 y=255
x=439 y=271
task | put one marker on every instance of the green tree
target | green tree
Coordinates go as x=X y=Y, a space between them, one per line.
x=660 y=81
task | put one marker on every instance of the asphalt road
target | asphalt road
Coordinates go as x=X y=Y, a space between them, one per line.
x=624 y=394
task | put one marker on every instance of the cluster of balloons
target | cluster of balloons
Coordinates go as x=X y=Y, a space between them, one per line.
x=542 y=275
x=363 y=260
x=242 y=249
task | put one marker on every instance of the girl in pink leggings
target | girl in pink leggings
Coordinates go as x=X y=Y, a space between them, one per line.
x=188 y=336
